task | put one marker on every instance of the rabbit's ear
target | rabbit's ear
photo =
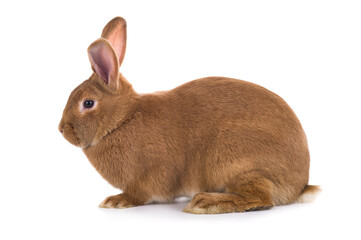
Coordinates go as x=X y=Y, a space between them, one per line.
x=104 y=62
x=116 y=33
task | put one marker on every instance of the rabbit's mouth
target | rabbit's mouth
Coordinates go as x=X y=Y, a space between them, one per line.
x=70 y=136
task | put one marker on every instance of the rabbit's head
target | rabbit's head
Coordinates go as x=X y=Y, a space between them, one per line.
x=101 y=103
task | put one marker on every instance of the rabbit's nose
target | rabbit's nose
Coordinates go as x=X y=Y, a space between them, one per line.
x=61 y=127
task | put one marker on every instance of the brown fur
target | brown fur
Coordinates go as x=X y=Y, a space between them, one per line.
x=231 y=145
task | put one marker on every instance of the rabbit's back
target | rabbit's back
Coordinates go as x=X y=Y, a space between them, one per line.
x=206 y=105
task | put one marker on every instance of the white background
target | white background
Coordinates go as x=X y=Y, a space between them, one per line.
x=308 y=52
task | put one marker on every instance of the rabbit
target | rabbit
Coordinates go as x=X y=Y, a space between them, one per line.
x=228 y=144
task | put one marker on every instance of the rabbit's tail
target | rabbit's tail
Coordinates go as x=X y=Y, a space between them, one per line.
x=308 y=194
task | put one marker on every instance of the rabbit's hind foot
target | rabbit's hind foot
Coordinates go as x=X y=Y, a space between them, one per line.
x=250 y=196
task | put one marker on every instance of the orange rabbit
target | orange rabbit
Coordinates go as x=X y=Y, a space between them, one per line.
x=231 y=145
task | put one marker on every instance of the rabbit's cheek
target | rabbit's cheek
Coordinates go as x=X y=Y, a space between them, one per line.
x=85 y=131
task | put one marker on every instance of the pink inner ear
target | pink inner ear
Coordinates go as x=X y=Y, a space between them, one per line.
x=117 y=39
x=101 y=57
x=116 y=33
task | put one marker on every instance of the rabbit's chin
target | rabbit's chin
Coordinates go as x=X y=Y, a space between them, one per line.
x=75 y=141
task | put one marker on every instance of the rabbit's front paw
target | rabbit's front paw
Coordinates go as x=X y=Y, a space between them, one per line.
x=117 y=201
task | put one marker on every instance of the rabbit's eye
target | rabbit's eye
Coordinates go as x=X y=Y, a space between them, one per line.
x=88 y=103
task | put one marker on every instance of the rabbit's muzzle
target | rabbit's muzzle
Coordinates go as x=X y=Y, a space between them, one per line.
x=68 y=133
